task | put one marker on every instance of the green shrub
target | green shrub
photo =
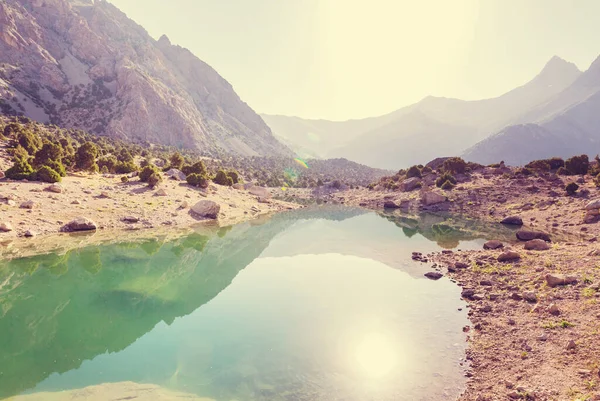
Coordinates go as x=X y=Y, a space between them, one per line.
x=46 y=174
x=455 y=165
x=48 y=152
x=104 y=169
x=541 y=165
x=85 y=158
x=223 y=179
x=578 y=165
x=29 y=141
x=562 y=171
x=413 y=172
x=124 y=179
x=125 y=167
x=147 y=171
x=110 y=162
x=571 y=188
x=20 y=170
x=176 y=161
x=447 y=185
x=426 y=170
x=57 y=166
x=154 y=179
x=443 y=178
x=234 y=176
x=196 y=168
x=196 y=180
x=524 y=171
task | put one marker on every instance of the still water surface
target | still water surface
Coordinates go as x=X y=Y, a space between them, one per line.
x=317 y=304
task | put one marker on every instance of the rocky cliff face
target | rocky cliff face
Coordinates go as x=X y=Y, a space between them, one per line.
x=84 y=64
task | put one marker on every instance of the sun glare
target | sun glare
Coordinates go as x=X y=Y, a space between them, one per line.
x=375 y=355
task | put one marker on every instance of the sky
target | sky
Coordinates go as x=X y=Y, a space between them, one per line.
x=347 y=59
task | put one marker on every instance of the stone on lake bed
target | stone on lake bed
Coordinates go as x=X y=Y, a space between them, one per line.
x=493 y=244
x=434 y=275
x=79 y=224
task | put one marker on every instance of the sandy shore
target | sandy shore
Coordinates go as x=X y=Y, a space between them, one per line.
x=122 y=211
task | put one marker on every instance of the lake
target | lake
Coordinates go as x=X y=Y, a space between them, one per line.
x=315 y=304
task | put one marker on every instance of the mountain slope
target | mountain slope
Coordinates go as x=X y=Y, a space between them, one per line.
x=432 y=127
x=568 y=124
x=84 y=64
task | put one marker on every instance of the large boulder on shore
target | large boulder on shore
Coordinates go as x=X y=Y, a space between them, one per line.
x=432 y=198
x=513 y=221
x=207 y=208
x=410 y=183
x=261 y=192
x=537 y=245
x=525 y=235
x=79 y=224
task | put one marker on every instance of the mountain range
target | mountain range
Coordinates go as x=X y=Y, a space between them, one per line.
x=84 y=64
x=551 y=115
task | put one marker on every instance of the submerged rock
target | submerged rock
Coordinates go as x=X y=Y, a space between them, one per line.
x=434 y=275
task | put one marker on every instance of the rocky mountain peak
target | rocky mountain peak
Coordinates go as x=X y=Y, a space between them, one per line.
x=558 y=69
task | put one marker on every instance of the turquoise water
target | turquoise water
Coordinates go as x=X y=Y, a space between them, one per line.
x=316 y=304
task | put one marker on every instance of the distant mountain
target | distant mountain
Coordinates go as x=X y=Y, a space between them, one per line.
x=433 y=127
x=567 y=124
x=84 y=64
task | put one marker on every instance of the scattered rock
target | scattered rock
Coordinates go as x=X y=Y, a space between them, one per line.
x=30 y=234
x=530 y=296
x=595 y=204
x=76 y=202
x=6 y=227
x=513 y=220
x=493 y=244
x=508 y=256
x=263 y=200
x=553 y=309
x=461 y=265
x=104 y=195
x=56 y=188
x=184 y=205
x=79 y=224
x=207 y=208
x=261 y=192
x=238 y=186
x=537 y=245
x=175 y=174
x=543 y=336
x=410 y=184
x=571 y=345
x=432 y=198
x=130 y=219
x=390 y=205
x=525 y=235
x=434 y=275
x=28 y=205
x=554 y=280
x=467 y=293
x=161 y=192
x=11 y=202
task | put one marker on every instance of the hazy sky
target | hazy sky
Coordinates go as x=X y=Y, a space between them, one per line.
x=341 y=59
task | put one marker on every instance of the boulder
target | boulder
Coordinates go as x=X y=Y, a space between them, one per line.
x=513 y=221
x=434 y=275
x=2 y=175
x=238 y=186
x=28 y=205
x=530 y=296
x=175 y=174
x=390 y=205
x=436 y=163
x=595 y=204
x=537 y=245
x=11 y=202
x=508 y=256
x=30 y=233
x=79 y=224
x=432 y=198
x=554 y=280
x=6 y=227
x=261 y=192
x=525 y=235
x=104 y=195
x=410 y=184
x=130 y=219
x=56 y=188
x=161 y=192
x=493 y=244
x=207 y=208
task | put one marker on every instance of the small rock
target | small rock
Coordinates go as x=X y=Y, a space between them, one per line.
x=79 y=224
x=76 y=202
x=493 y=244
x=30 y=233
x=571 y=345
x=595 y=204
x=56 y=188
x=537 y=245
x=542 y=337
x=28 y=205
x=486 y=308
x=104 y=195
x=461 y=265
x=554 y=280
x=584 y=372
x=206 y=208
x=513 y=220
x=508 y=256
x=6 y=227
x=516 y=296
x=433 y=275
x=184 y=205
x=467 y=293
x=390 y=205
x=161 y=192
x=553 y=309
x=530 y=296
x=130 y=219
x=11 y=202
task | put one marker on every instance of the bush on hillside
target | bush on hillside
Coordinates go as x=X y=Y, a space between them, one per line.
x=413 y=172
x=443 y=178
x=196 y=168
x=197 y=180
x=29 y=141
x=562 y=171
x=20 y=170
x=578 y=165
x=223 y=179
x=541 y=165
x=571 y=188
x=125 y=167
x=46 y=174
x=147 y=171
x=447 y=185
x=556 y=163
x=426 y=170
x=176 y=161
x=455 y=165
x=85 y=157
x=234 y=176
